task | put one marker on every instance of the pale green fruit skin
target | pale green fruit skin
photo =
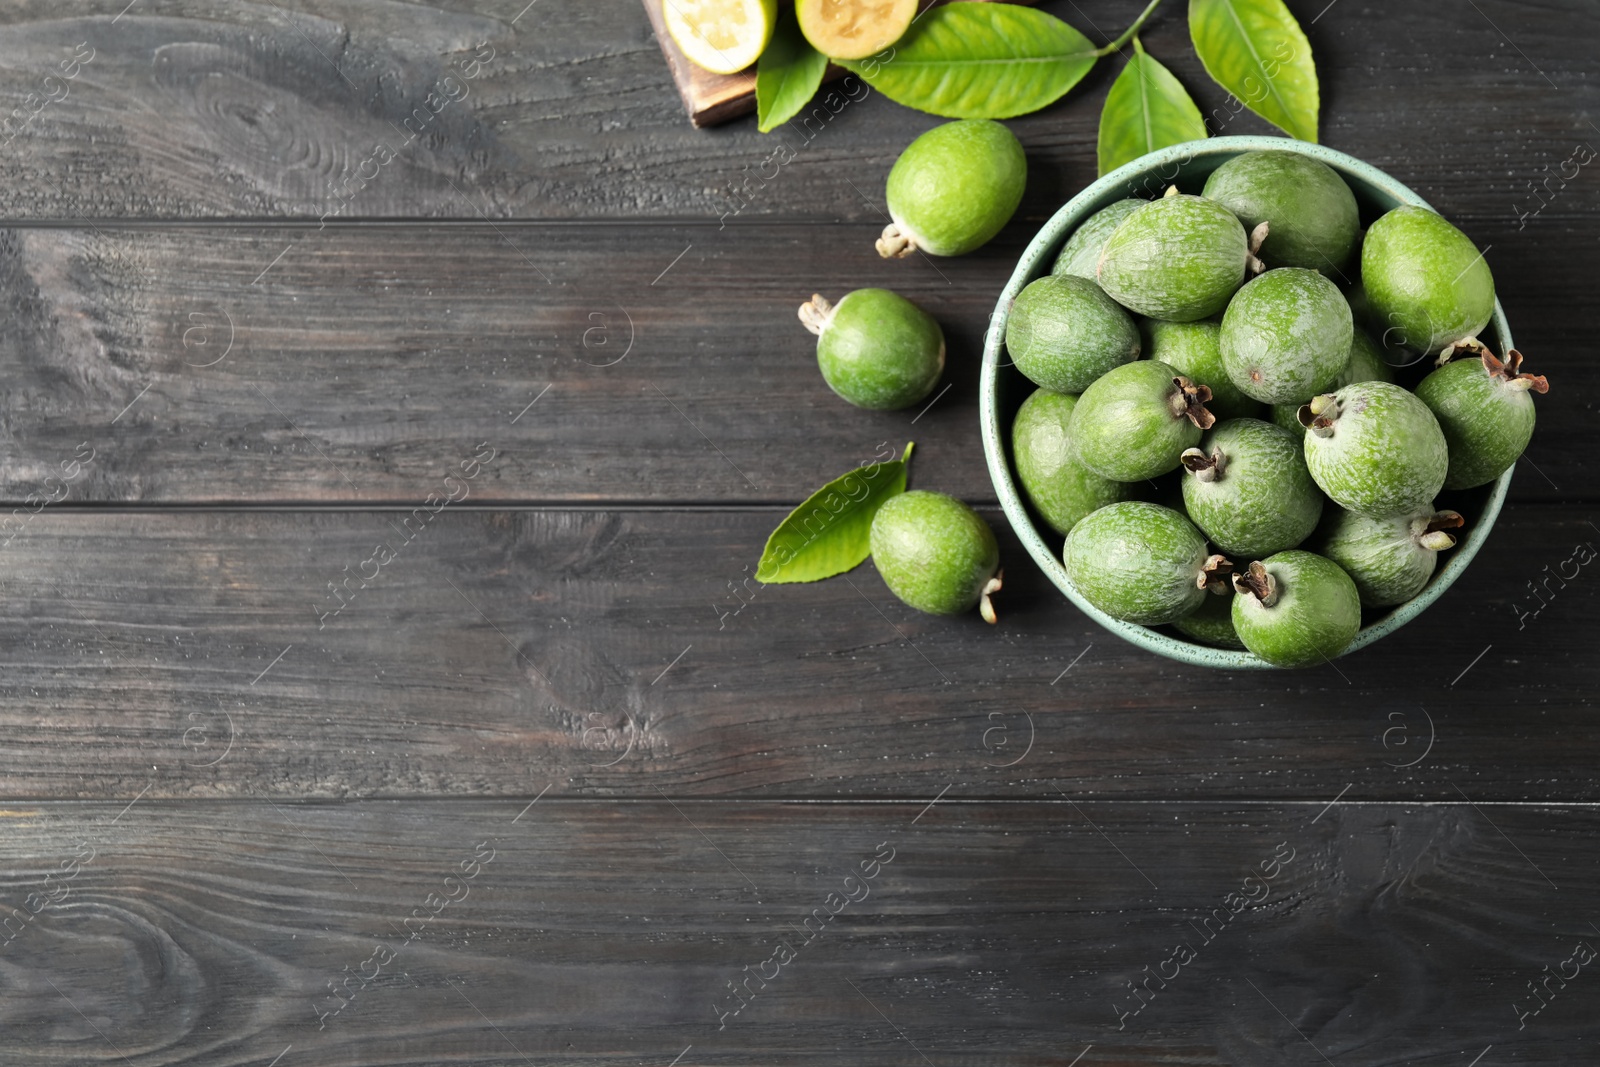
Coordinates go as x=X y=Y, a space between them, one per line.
x=1381 y=556
x=1060 y=488
x=1264 y=501
x=1212 y=623
x=957 y=185
x=1063 y=332
x=1386 y=454
x=1316 y=616
x=1366 y=365
x=1286 y=335
x=1486 y=424
x=1426 y=283
x=1137 y=562
x=934 y=552
x=1178 y=258
x=880 y=351
x=1122 y=427
x=1310 y=212
x=1081 y=254
x=1194 y=348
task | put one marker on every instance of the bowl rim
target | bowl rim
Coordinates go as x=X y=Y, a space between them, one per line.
x=995 y=448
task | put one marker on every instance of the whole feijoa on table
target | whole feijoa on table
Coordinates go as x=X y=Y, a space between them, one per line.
x=1366 y=365
x=1248 y=489
x=1295 y=608
x=1194 y=350
x=953 y=189
x=1310 y=212
x=875 y=348
x=1485 y=410
x=1063 y=332
x=1374 y=448
x=1081 y=254
x=1424 y=280
x=1135 y=421
x=1061 y=489
x=1286 y=335
x=935 y=553
x=1179 y=258
x=1389 y=559
x=1141 y=562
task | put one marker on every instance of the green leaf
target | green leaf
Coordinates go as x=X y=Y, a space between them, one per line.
x=980 y=61
x=1255 y=50
x=1146 y=109
x=829 y=533
x=787 y=74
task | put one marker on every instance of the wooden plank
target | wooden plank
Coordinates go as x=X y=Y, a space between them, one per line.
x=221 y=110
x=607 y=933
x=617 y=653
x=214 y=364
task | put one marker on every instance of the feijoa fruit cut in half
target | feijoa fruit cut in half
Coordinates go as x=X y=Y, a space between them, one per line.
x=1485 y=410
x=1375 y=448
x=1179 y=258
x=1135 y=421
x=953 y=188
x=1063 y=332
x=1081 y=254
x=935 y=553
x=1212 y=623
x=876 y=349
x=1060 y=488
x=1295 y=609
x=1427 y=285
x=1249 y=490
x=1141 y=562
x=1194 y=349
x=1286 y=335
x=853 y=29
x=1309 y=210
x=1366 y=365
x=722 y=36
x=1389 y=559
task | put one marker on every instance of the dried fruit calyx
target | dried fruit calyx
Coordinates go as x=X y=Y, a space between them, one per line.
x=1190 y=401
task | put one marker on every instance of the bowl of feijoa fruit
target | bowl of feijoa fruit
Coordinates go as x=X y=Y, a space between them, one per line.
x=1251 y=402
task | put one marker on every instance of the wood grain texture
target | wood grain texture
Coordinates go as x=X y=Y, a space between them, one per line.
x=617 y=653
x=206 y=109
x=357 y=364
x=583 y=933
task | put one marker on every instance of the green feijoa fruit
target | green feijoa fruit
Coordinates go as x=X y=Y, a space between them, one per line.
x=1374 y=448
x=1135 y=421
x=1212 y=623
x=1295 y=609
x=1059 y=487
x=1486 y=414
x=1063 y=332
x=1389 y=559
x=1366 y=365
x=1141 y=562
x=1194 y=350
x=953 y=188
x=1286 y=335
x=1249 y=490
x=1178 y=258
x=1309 y=211
x=876 y=349
x=1081 y=254
x=1426 y=283
x=935 y=553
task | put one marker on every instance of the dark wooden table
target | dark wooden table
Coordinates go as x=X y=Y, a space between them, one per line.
x=394 y=407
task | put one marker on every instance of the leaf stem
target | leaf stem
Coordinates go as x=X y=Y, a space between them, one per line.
x=1138 y=24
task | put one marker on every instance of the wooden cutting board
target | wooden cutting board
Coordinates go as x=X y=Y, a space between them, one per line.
x=715 y=98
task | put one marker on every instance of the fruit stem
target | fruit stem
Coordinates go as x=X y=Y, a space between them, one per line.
x=1138 y=24
x=816 y=313
x=1430 y=531
x=1319 y=414
x=1258 y=237
x=1189 y=399
x=985 y=606
x=1214 y=574
x=1205 y=468
x=1510 y=372
x=895 y=243
x=1258 y=583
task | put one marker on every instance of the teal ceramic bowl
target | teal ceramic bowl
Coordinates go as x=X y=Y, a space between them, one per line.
x=1003 y=388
